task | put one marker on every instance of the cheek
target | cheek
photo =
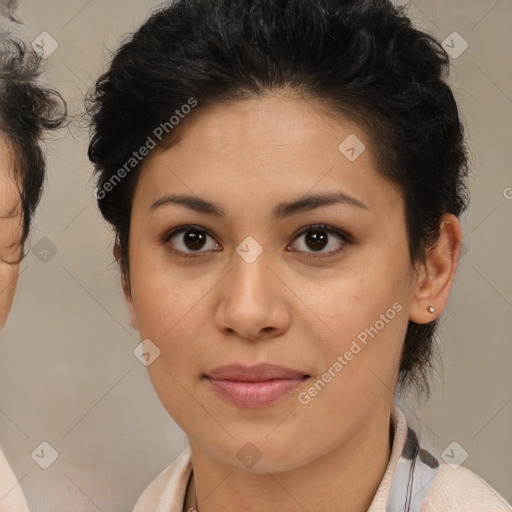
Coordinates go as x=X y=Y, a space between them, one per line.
x=367 y=318
x=155 y=290
x=169 y=307
x=358 y=365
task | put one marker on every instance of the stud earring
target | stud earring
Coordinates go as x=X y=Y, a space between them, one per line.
x=430 y=309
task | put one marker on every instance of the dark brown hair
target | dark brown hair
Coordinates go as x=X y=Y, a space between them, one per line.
x=27 y=109
x=361 y=58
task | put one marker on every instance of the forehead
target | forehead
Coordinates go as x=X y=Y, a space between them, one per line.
x=268 y=145
x=269 y=122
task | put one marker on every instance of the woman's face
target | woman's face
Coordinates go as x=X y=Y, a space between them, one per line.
x=10 y=232
x=255 y=286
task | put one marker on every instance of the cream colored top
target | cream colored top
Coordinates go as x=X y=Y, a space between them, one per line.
x=11 y=495
x=436 y=487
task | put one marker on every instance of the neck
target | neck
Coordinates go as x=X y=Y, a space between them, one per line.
x=342 y=480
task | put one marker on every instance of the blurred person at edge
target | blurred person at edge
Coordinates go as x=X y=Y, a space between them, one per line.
x=27 y=110
x=285 y=180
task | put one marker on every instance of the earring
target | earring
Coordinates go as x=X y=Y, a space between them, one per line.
x=430 y=309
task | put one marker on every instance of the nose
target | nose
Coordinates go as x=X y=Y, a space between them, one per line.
x=253 y=300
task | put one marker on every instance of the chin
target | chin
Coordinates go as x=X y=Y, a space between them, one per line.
x=258 y=455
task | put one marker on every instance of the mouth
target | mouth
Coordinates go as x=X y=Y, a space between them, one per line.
x=254 y=386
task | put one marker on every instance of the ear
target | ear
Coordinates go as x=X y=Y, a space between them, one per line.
x=126 y=288
x=436 y=277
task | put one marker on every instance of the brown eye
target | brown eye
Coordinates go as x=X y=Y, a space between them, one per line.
x=316 y=238
x=189 y=239
x=194 y=240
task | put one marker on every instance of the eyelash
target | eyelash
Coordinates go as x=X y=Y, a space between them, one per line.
x=346 y=239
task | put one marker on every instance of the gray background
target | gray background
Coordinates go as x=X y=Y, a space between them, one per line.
x=68 y=375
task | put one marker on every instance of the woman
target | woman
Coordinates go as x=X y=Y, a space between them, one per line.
x=26 y=110
x=284 y=179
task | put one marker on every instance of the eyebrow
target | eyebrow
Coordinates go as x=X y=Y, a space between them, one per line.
x=286 y=209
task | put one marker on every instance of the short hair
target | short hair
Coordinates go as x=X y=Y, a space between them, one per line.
x=27 y=109
x=363 y=59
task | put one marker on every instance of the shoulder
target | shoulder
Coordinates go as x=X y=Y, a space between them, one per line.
x=11 y=495
x=462 y=490
x=165 y=492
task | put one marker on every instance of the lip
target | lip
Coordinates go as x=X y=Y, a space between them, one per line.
x=254 y=386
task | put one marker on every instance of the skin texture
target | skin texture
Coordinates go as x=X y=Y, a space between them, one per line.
x=283 y=308
x=10 y=232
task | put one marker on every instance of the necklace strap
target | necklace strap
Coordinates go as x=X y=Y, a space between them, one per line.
x=415 y=471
